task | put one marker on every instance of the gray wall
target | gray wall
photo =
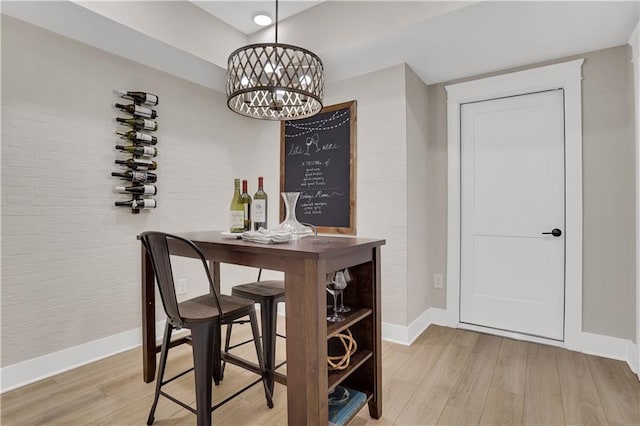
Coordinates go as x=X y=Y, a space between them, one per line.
x=419 y=275
x=609 y=189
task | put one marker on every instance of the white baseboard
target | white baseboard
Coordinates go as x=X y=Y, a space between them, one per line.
x=610 y=347
x=633 y=358
x=23 y=373
x=406 y=335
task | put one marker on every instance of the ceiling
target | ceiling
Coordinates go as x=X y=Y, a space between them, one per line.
x=439 y=40
x=442 y=41
x=239 y=14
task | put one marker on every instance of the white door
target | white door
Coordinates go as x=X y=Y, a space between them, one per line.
x=512 y=197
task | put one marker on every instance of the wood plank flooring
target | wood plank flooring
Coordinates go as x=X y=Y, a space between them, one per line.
x=447 y=377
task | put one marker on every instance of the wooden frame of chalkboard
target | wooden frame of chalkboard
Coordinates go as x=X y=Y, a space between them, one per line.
x=318 y=159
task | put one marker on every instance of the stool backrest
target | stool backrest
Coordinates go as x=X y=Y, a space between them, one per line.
x=159 y=246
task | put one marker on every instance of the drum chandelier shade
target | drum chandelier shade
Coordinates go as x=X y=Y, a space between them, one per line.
x=273 y=81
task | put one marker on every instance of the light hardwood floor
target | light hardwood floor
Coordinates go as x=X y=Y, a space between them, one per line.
x=447 y=376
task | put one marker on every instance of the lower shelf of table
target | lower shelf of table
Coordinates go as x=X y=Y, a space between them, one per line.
x=337 y=376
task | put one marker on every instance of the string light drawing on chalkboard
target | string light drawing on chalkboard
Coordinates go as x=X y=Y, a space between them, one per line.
x=319 y=125
x=318 y=161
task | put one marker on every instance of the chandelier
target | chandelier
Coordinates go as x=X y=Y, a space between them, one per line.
x=274 y=81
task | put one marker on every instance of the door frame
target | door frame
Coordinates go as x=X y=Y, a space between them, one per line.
x=566 y=76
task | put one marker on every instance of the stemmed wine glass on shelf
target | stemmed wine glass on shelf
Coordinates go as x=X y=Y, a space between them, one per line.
x=343 y=278
x=334 y=289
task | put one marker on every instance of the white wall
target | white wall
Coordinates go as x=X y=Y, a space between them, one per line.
x=382 y=175
x=70 y=260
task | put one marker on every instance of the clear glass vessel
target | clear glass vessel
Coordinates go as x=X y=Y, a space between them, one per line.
x=290 y=223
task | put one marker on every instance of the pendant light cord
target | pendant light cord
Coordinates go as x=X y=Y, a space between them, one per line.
x=276 y=21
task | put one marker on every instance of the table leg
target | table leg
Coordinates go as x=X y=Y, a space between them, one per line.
x=148 y=319
x=307 y=382
x=375 y=403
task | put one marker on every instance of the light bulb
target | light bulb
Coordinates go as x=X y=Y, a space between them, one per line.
x=262 y=18
x=305 y=80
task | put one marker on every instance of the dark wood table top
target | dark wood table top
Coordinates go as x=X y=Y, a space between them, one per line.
x=311 y=246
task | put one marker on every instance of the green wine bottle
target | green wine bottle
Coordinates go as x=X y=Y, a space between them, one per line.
x=139 y=189
x=260 y=206
x=138 y=164
x=136 y=177
x=139 y=123
x=140 y=97
x=245 y=199
x=146 y=203
x=236 y=210
x=149 y=151
x=138 y=110
x=138 y=137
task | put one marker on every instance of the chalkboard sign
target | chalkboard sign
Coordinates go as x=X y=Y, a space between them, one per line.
x=318 y=159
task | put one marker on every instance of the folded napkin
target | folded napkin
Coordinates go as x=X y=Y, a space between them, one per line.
x=264 y=236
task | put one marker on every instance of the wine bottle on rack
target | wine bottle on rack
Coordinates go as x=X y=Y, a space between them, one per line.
x=236 y=210
x=259 y=212
x=139 y=123
x=139 y=189
x=136 y=176
x=149 y=151
x=143 y=203
x=138 y=137
x=245 y=200
x=140 y=97
x=138 y=164
x=138 y=110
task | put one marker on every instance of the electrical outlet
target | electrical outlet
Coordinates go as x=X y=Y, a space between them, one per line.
x=438 y=281
x=182 y=286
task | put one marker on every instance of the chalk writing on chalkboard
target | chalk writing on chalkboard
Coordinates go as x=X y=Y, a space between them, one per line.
x=317 y=161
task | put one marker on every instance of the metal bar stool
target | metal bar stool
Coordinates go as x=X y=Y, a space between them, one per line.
x=268 y=294
x=203 y=315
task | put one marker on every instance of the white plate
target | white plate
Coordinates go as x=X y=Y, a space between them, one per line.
x=232 y=235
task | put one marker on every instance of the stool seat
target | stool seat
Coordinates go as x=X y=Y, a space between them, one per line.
x=260 y=290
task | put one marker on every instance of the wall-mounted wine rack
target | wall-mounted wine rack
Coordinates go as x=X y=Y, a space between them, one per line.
x=139 y=164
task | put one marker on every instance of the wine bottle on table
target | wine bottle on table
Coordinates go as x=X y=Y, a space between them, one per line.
x=149 y=151
x=236 y=210
x=138 y=110
x=260 y=206
x=138 y=164
x=140 y=97
x=143 y=203
x=136 y=176
x=139 y=189
x=245 y=199
x=138 y=137
x=139 y=123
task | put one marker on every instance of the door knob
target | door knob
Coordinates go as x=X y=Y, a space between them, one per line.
x=555 y=232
